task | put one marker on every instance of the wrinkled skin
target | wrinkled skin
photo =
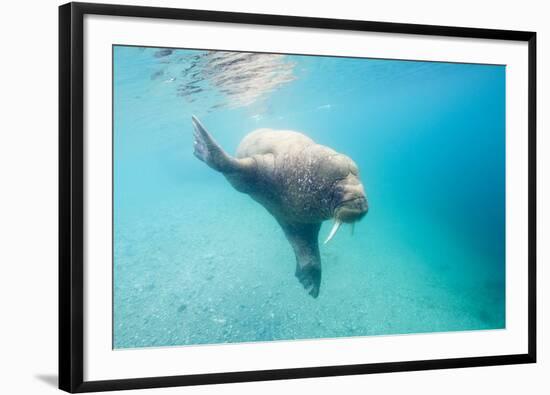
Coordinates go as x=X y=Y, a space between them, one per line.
x=299 y=182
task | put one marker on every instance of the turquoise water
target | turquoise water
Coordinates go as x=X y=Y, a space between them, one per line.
x=197 y=262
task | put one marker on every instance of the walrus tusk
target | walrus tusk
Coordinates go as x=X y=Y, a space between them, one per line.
x=333 y=231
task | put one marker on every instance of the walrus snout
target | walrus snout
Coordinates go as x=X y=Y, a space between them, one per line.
x=350 y=202
x=352 y=210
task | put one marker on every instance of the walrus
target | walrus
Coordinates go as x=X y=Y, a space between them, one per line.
x=299 y=182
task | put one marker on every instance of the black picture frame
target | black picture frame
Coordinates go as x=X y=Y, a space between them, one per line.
x=71 y=195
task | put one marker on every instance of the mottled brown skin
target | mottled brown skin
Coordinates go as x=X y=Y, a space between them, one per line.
x=299 y=182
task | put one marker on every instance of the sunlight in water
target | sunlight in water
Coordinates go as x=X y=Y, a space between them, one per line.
x=234 y=79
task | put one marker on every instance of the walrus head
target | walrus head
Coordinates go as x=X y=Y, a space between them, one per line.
x=349 y=202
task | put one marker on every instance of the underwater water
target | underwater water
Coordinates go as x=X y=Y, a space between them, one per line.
x=197 y=262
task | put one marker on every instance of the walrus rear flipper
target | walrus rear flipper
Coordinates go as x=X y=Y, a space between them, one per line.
x=304 y=241
x=209 y=151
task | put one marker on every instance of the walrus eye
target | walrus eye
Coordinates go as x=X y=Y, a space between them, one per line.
x=333 y=231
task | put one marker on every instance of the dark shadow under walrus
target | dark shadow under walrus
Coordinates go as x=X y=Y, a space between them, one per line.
x=299 y=182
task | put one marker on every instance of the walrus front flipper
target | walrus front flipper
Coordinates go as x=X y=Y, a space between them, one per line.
x=304 y=241
x=209 y=151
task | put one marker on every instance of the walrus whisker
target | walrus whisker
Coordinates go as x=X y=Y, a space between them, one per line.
x=333 y=231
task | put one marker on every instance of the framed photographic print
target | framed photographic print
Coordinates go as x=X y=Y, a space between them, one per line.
x=259 y=197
